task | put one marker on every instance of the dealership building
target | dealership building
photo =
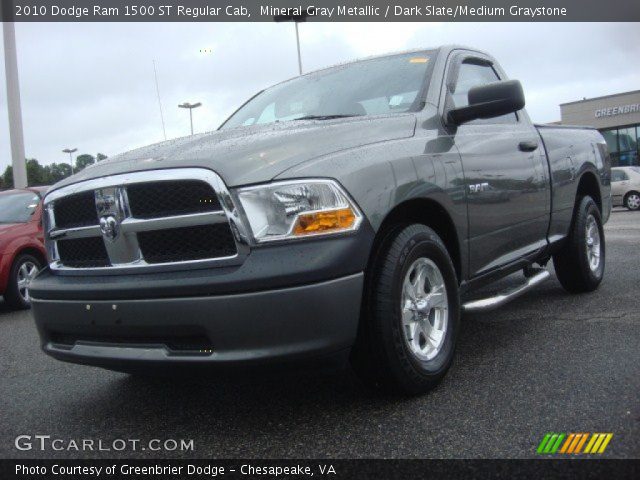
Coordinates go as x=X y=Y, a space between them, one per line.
x=618 y=119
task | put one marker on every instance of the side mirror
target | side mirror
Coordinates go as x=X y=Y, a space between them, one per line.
x=489 y=101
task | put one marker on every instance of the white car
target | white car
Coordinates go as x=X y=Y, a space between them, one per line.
x=625 y=187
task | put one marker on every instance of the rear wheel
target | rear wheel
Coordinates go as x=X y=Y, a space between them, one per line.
x=580 y=264
x=406 y=342
x=23 y=270
x=632 y=200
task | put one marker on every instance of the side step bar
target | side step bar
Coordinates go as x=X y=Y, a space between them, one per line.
x=500 y=299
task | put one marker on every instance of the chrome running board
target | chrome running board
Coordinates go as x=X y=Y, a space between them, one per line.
x=500 y=299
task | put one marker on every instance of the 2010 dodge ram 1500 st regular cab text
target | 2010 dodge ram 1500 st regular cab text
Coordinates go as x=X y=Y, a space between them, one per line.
x=352 y=210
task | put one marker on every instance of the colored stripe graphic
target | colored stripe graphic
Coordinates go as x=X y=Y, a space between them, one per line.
x=573 y=443
x=581 y=442
x=551 y=443
x=605 y=442
x=543 y=443
x=567 y=443
x=599 y=442
x=558 y=442
x=594 y=437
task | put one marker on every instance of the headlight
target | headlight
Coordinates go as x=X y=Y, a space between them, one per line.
x=297 y=209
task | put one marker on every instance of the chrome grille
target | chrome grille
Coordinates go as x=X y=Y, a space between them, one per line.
x=83 y=252
x=77 y=210
x=154 y=219
x=189 y=243
x=163 y=199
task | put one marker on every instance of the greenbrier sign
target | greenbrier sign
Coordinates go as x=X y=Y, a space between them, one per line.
x=619 y=110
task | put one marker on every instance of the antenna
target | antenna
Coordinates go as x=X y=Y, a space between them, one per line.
x=155 y=74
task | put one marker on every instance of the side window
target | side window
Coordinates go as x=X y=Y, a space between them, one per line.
x=618 y=176
x=472 y=75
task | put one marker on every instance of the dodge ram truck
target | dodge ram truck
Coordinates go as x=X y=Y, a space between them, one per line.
x=353 y=212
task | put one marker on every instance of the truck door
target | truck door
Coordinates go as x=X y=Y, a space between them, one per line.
x=505 y=174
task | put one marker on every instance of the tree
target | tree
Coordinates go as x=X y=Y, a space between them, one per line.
x=58 y=171
x=83 y=161
x=36 y=174
x=7 y=177
x=48 y=174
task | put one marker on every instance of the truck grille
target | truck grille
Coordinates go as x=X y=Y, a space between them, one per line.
x=164 y=199
x=77 y=210
x=148 y=219
x=83 y=252
x=189 y=243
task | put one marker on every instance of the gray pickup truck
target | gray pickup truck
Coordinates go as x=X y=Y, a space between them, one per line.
x=352 y=212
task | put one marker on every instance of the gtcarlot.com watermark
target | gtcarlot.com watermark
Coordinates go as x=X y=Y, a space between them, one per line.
x=47 y=443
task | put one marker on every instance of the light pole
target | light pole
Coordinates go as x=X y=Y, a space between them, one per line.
x=13 y=105
x=296 y=19
x=190 y=106
x=70 y=151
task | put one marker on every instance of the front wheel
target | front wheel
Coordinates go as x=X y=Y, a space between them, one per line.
x=580 y=264
x=407 y=338
x=632 y=201
x=23 y=270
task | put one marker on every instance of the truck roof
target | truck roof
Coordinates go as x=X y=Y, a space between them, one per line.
x=442 y=49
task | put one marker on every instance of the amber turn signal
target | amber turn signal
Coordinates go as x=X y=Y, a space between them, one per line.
x=333 y=220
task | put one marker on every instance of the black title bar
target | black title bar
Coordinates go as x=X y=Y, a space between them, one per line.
x=320 y=10
x=307 y=469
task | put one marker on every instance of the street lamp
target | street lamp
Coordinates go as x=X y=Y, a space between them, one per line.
x=296 y=19
x=190 y=106
x=16 y=138
x=70 y=151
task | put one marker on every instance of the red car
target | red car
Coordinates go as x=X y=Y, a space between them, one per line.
x=22 y=251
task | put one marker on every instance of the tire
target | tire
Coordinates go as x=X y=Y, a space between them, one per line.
x=632 y=201
x=393 y=350
x=17 y=295
x=576 y=267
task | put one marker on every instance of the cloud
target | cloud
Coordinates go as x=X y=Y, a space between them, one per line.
x=91 y=85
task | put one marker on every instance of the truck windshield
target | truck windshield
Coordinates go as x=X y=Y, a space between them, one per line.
x=18 y=207
x=369 y=87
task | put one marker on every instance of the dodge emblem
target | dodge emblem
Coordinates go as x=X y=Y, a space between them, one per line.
x=109 y=227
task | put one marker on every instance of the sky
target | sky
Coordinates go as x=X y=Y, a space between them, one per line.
x=91 y=86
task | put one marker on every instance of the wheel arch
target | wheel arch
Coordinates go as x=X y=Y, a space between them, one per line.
x=588 y=185
x=34 y=252
x=425 y=211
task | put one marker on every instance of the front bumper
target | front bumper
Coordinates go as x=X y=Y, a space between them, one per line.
x=286 y=302
x=305 y=321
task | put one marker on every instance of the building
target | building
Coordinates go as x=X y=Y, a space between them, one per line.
x=618 y=119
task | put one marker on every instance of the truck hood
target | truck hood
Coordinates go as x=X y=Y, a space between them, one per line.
x=255 y=154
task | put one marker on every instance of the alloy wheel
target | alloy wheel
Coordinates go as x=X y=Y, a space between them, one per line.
x=27 y=272
x=593 y=243
x=425 y=309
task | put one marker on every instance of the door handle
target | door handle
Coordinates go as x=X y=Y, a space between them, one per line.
x=528 y=145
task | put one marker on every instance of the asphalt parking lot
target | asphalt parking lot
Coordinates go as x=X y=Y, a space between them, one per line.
x=548 y=361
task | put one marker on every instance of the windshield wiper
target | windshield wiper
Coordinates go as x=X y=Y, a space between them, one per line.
x=328 y=117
